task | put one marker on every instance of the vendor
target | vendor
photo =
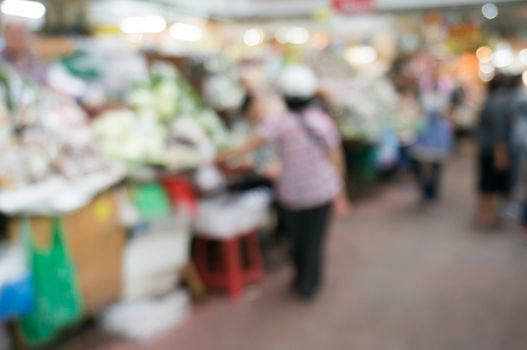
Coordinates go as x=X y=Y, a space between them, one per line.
x=310 y=183
x=17 y=52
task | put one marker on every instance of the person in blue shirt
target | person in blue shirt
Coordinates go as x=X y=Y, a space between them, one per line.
x=432 y=147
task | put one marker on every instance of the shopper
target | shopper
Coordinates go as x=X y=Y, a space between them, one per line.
x=518 y=98
x=494 y=140
x=430 y=151
x=310 y=183
x=17 y=52
x=434 y=141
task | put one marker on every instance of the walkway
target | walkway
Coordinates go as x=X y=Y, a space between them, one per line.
x=399 y=277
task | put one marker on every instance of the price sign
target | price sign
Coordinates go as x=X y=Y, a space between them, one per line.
x=352 y=6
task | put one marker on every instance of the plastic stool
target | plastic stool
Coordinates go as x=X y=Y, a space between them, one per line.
x=228 y=271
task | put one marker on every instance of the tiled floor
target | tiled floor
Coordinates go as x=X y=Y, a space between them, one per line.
x=399 y=277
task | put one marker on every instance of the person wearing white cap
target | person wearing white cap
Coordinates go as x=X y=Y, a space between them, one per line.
x=310 y=184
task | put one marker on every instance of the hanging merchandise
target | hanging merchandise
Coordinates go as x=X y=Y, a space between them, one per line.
x=57 y=297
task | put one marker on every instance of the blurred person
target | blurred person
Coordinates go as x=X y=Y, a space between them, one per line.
x=411 y=117
x=17 y=52
x=494 y=155
x=517 y=97
x=518 y=100
x=434 y=141
x=521 y=110
x=264 y=167
x=431 y=149
x=311 y=181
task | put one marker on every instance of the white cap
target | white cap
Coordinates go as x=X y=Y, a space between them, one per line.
x=298 y=81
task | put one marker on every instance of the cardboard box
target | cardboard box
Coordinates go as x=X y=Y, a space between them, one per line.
x=96 y=240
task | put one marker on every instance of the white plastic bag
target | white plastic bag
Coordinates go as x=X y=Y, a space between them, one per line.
x=145 y=319
x=209 y=179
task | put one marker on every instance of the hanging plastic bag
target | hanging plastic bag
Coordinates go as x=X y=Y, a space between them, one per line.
x=57 y=297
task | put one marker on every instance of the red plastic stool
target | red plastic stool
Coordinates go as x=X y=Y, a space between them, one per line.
x=228 y=272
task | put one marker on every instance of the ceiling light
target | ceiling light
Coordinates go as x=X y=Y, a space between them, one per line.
x=361 y=55
x=489 y=11
x=292 y=35
x=186 y=32
x=147 y=24
x=502 y=58
x=23 y=8
x=253 y=37
x=484 y=54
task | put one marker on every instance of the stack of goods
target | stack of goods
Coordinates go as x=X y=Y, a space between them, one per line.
x=99 y=73
x=49 y=161
x=167 y=126
x=367 y=110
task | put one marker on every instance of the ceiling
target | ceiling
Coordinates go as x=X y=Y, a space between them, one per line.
x=109 y=11
x=285 y=8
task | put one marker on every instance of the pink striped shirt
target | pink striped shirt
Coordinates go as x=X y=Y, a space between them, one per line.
x=308 y=178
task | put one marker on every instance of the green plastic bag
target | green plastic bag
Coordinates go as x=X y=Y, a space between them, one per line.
x=57 y=297
x=151 y=201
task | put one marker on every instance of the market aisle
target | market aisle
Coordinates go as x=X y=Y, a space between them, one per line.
x=400 y=277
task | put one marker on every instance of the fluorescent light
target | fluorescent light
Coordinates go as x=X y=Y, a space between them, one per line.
x=253 y=37
x=489 y=11
x=361 y=55
x=23 y=8
x=523 y=56
x=292 y=35
x=146 y=24
x=186 y=32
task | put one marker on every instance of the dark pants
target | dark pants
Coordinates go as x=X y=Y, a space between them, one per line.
x=307 y=231
x=428 y=176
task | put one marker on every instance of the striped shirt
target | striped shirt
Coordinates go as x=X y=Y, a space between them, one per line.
x=308 y=179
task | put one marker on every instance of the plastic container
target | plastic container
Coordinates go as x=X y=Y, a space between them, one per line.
x=228 y=216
